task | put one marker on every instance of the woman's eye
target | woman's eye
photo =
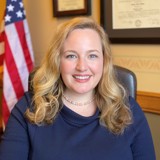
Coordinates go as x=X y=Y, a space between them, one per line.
x=71 y=56
x=93 y=56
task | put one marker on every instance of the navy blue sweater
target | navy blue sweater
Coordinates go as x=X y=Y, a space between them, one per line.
x=74 y=137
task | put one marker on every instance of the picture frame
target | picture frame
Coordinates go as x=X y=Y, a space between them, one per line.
x=136 y=35
x=63 y=8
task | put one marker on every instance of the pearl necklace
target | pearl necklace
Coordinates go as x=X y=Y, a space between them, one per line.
x=77 y=103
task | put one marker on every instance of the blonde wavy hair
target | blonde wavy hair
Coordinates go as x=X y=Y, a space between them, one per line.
x=48 y=86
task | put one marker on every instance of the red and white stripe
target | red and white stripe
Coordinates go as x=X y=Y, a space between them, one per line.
x=18 y=62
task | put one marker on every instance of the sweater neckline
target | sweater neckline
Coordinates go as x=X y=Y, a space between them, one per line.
x=76 y=119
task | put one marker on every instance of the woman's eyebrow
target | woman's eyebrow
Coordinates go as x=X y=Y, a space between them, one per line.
x=94 y=50
x=73 y=51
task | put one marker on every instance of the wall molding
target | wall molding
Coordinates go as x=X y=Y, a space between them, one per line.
x=149 y=101
x=140 y=64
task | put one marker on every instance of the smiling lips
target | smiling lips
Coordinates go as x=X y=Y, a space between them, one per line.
x=81 y=78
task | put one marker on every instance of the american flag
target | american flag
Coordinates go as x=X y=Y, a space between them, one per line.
x=18 y=56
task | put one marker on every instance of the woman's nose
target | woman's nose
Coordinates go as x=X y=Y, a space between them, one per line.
x=81 y=65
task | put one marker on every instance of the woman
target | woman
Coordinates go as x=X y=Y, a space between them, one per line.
x=77 y=109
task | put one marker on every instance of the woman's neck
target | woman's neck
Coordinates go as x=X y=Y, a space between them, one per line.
x=83 y=104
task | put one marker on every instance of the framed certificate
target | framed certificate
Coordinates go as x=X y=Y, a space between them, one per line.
x=71 y=7
x=130 y=21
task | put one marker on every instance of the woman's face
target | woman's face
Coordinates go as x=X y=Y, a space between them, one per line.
x=81 y=63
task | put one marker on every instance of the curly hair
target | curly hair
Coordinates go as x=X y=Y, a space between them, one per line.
x=48 y=87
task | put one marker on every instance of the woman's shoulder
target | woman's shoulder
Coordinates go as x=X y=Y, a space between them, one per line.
x=135 y=108
x=17 y=116
x=24 y=102
x=138 y=116
x=139 y=134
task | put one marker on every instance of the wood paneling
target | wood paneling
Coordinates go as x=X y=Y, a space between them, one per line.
x=150 y=102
